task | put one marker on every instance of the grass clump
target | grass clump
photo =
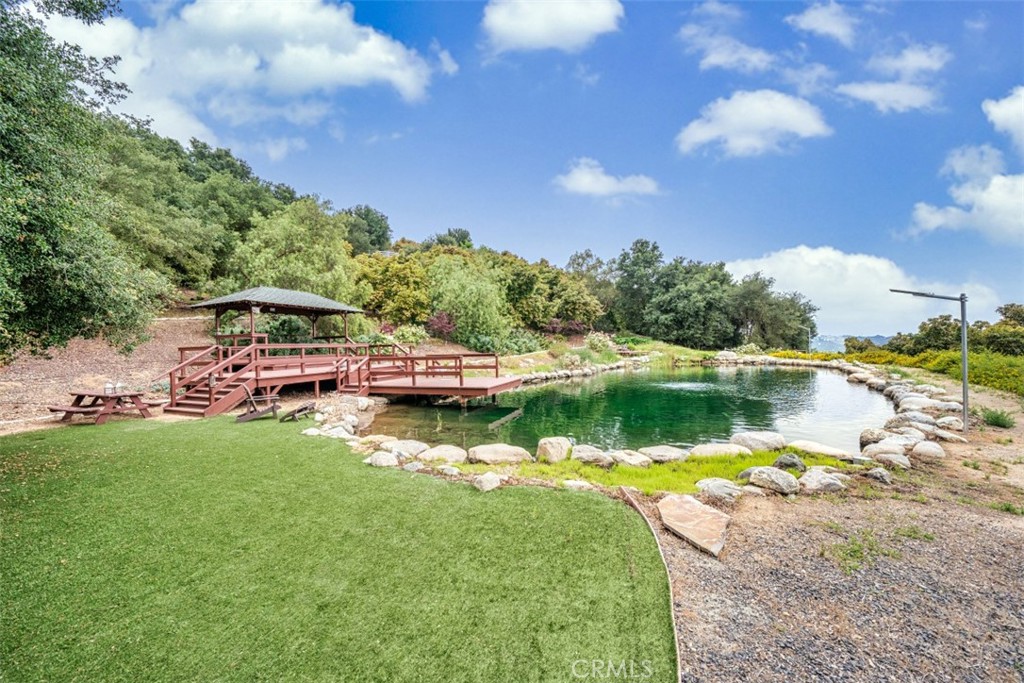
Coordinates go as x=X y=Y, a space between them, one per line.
x=673 y=477
x=972 y=464
x=206 y=550
x=858 y=551
x=1004 y=506
x=915 y=532
x=997 y=418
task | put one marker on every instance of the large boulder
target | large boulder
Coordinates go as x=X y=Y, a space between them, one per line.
x=553 y=449
x=880 y=474
x=405 y=448
x=499 y=454
x=916 y=416
x=815 y=448
x=487 y=482
x=883 y=447
x=928 y=449
x=894 y=460
x=382 y=459
x=630 y=458
x=664 y=453
x=719 y=449
x=578 y=485
x=790 y=461
x=699 y=524
x=817 y=480
x=950 y=422
x=948 y=436
x=774 y=479
x=872 y=435
x=759 y=441
x=445 y=453
x=720 y=489
x=591 y=455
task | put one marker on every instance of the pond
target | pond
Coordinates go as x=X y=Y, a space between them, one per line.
x=635 y=409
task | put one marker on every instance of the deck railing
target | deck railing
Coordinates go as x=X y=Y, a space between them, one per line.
x=203 y=369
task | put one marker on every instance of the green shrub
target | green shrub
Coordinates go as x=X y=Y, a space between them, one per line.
x=520 y=341
x=998 y=418
x=631 y=340
x=985 y=368
x=410 y=334
x=599 y=341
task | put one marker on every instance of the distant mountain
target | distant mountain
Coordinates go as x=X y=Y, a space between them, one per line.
x=834 y=343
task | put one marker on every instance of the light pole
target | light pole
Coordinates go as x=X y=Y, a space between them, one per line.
x=808 y=336
x=963 y=335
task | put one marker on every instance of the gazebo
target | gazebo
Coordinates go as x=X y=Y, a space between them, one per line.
x=278 y=301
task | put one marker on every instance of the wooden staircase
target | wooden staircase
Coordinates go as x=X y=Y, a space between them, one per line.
x=212 y=382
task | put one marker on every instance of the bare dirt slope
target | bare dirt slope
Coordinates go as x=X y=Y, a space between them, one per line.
x=31 y=383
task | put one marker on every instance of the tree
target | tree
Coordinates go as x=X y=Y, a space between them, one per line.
x=399 y=287
x=858 y=345
x=371 y=232
x=473 y=301
x=301 y=247
x=637 y=271
x=599 y=279
x=1012 y=314
x=61 y=274
x=691 y=305
x=453 y=237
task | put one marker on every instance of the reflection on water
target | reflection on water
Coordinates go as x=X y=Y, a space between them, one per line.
x=631 y=410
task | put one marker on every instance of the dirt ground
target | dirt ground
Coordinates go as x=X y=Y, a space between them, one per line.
x=919 y=581
x=922 y=580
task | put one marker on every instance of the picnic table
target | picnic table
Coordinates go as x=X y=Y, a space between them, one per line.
x=102 y=405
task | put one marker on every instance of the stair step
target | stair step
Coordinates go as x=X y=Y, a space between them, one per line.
x=184 y=410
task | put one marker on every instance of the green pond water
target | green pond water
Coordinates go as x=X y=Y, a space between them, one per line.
x=635 y=409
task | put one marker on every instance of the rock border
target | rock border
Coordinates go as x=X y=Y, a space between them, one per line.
x=889 y=446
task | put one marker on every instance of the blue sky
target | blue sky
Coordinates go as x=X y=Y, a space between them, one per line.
x=841 y=148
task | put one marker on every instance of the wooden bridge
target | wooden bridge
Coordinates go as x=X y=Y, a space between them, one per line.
x=213 y=379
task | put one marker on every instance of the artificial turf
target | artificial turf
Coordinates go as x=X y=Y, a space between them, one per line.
x=206 y=550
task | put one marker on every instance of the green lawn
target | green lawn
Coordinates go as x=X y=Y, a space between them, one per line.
x=212 y=551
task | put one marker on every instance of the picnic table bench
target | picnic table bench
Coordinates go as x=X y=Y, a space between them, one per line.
x=103 y=405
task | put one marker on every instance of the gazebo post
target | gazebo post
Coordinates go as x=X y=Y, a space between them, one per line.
x=312 y=320
x=252 y=324
x=344 y=319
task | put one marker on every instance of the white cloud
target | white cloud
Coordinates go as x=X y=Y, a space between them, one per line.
x=912 y=67
x=723 y=51
x=1007 y=115
x=750 y=123
x=219 y=57
x=829 y=20
x=852 y=290
x=978 y=24
x=446 y=63
x=986 y=199
x=278 y=148
x=585 y=75
x=891 y=97
x=809 y=79
x=567 y=25
x=718 y=10
x=587 y=177
x=913 y=62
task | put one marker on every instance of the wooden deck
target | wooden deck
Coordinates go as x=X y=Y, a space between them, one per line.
x=214 y=379
x=472 y=387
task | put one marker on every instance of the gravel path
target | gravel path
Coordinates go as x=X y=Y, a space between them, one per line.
x=941 y=599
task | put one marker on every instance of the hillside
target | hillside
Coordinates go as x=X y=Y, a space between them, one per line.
x=31 y=383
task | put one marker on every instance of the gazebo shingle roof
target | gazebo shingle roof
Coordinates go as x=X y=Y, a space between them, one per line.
x=274 y=300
